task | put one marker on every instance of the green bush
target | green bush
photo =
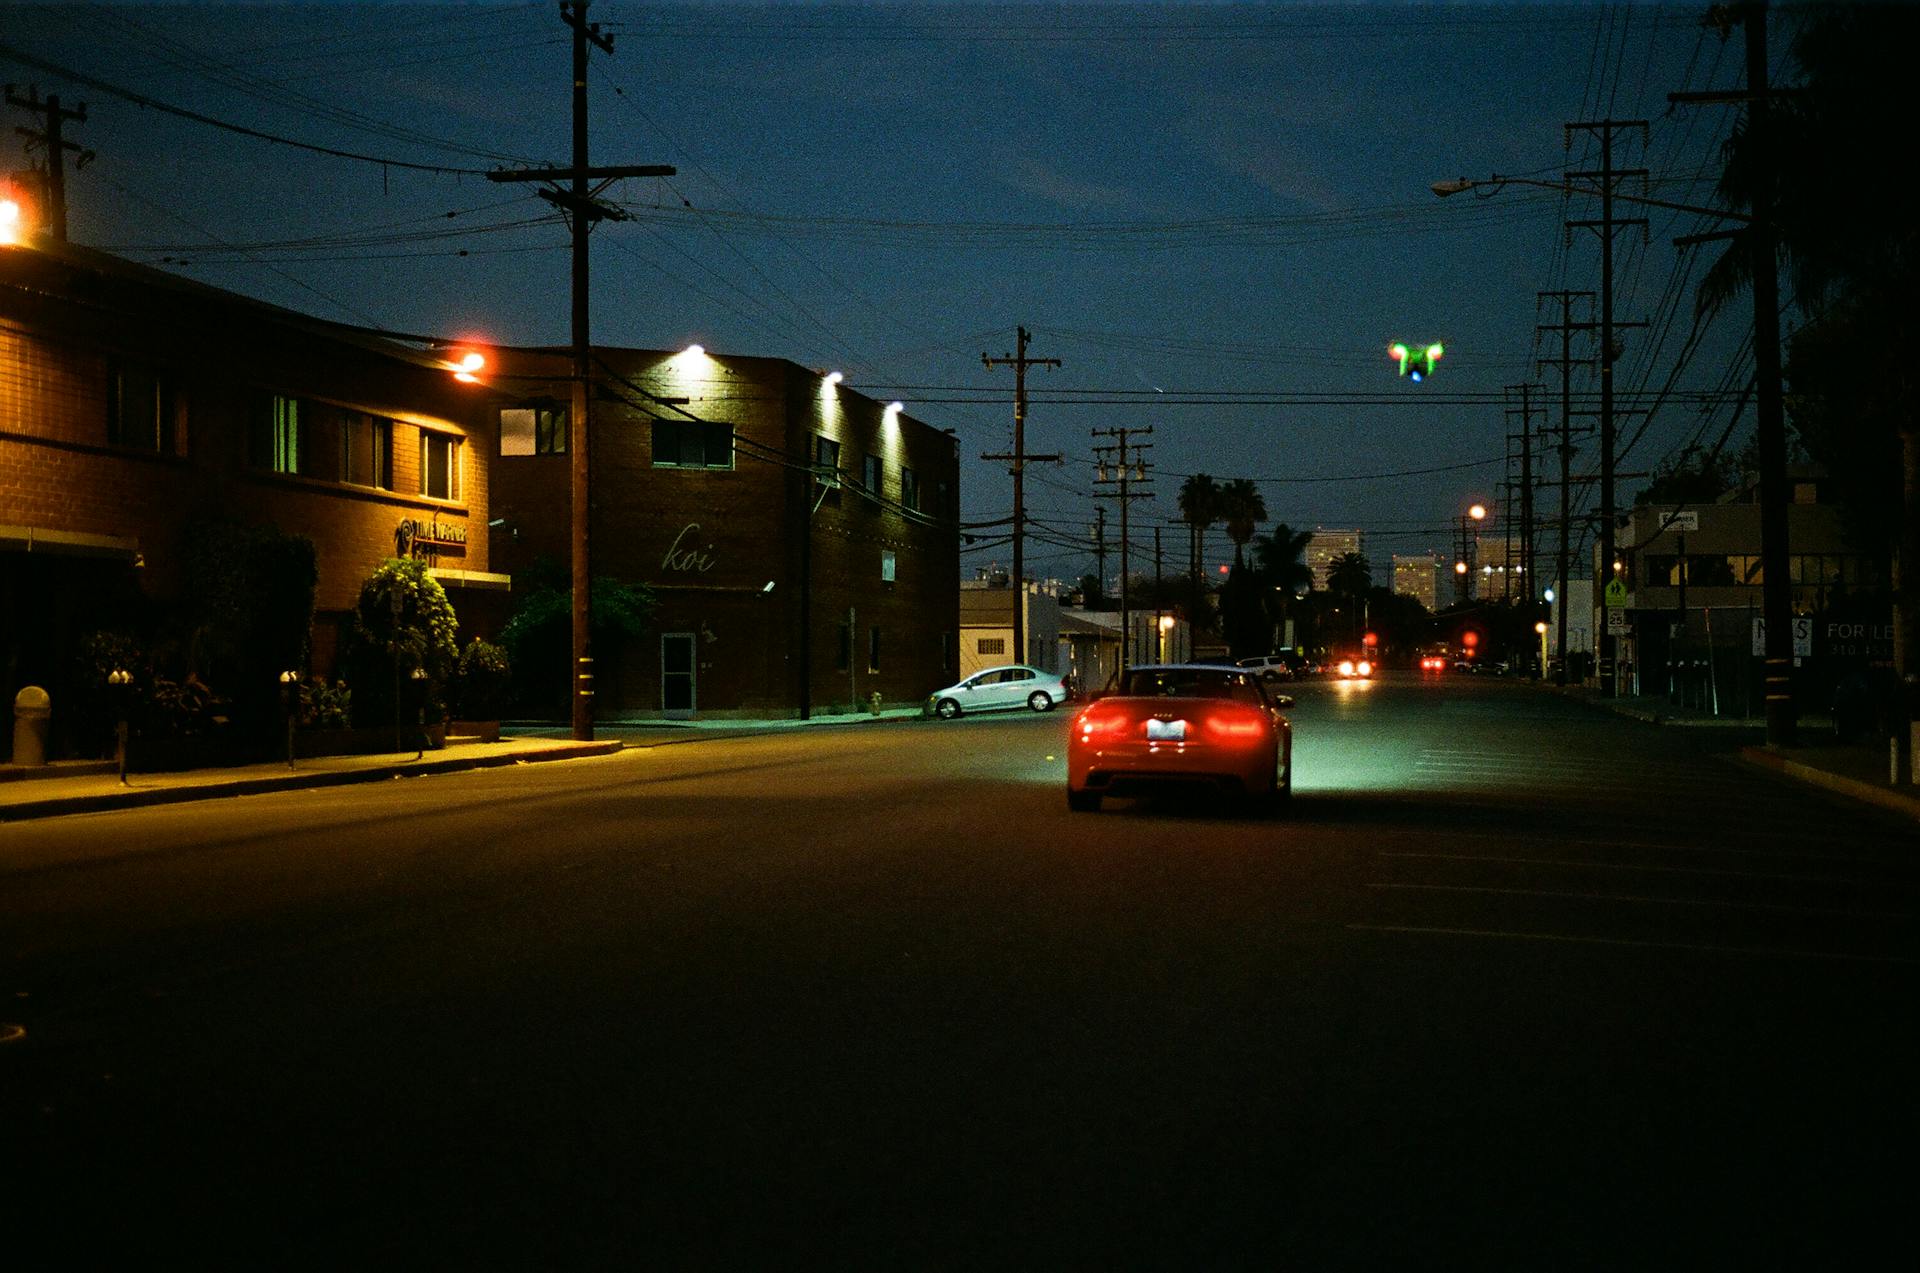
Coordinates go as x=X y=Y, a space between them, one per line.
x=485 y=683
x=539 y=635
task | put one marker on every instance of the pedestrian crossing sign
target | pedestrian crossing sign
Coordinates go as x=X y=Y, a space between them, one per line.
x=1616 y=594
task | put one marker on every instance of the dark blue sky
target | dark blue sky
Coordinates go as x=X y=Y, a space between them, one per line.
x=1179 y=201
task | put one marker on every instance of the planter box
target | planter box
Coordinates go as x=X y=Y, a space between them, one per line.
x=352 y=742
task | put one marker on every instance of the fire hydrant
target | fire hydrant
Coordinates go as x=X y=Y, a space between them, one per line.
x=873 y=702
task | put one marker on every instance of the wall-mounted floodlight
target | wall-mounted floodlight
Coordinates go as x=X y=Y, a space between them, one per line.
x=834 y=377
x=769 y=587
x=693 y=351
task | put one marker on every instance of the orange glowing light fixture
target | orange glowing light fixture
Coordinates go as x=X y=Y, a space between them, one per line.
x=467 y=364
x=12 y=220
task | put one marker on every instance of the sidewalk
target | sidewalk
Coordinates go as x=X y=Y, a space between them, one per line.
x=1856 y=770
x=91 y=786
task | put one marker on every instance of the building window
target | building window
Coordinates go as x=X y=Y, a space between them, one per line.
x=946 y=651
x=996 y=646
x=539 y=430
x=692 y=444
x=888 y=563
x=439 y=465
x=843 y=647
x=909 y=489
x=366 y=450
x=873 y=649
x=826 y=459
x=279 y=435
x=139 y=409
x=870 y=476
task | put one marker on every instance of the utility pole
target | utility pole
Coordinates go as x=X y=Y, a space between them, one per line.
x=1529 y=592
x=582 y=207
x=49 y=138
x=1159 y=654
x=1100 y=548
x=1566 y=327
x=1127 y=468
x=1776 y=596
x=1020 y=362
x=1609 y=177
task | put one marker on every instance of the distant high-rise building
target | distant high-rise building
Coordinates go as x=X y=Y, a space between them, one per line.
x=1326 y=545
x=1418 y=576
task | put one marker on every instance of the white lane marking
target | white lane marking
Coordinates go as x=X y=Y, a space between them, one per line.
x=1717 y=903
x=1627 y=866
x=1658 y=846
x=1752 y=951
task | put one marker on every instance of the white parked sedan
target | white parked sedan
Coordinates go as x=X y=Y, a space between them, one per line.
x=998 y=688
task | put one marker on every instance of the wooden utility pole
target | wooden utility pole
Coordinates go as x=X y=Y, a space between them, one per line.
x=49 y=139
x=1124 y=469
x=1020 y=459
x=1609 y=178
x=1776 y=589
x=583 y=207
x=1566 y=327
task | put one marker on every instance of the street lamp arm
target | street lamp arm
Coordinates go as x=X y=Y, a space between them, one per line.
x=1496 y=181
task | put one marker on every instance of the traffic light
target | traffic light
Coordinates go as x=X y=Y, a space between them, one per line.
x=1370 y=639
x=1416 y=364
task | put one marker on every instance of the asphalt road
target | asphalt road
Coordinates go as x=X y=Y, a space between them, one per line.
x=1515 y=983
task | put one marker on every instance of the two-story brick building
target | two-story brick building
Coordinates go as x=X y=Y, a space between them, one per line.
x=136 y=405
x=801 y=539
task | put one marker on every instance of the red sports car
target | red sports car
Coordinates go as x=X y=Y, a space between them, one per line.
x=1190 y=724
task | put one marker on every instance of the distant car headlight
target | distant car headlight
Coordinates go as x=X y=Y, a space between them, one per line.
x=1346 y=667
x=1365 y=668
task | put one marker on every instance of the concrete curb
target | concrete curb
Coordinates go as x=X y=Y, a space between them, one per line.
x=1853 y=788
x=296 y=780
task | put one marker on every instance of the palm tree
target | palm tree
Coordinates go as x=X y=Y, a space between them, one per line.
x=1281 y=557
x=1351 y=574
x=1199 y=509
x=1241 y=508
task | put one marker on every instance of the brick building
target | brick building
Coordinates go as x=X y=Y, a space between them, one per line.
x=136 y=405
x=800 y=538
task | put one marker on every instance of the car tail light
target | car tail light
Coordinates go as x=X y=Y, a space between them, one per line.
x=1365 y=668
x=1103 y=722
x=1235 y=727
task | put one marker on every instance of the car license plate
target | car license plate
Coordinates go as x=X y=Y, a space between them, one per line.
x=1166 y=730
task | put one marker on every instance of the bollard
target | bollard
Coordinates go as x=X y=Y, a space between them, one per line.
x=32 y=719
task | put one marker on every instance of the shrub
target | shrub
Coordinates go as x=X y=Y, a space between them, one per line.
x=485 y=682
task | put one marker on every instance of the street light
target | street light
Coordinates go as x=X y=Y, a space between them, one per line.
x=1468 y=538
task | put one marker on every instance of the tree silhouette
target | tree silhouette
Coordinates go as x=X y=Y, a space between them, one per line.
x=1241 y=508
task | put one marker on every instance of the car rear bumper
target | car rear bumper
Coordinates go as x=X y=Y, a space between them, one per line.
x=1126 y=769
